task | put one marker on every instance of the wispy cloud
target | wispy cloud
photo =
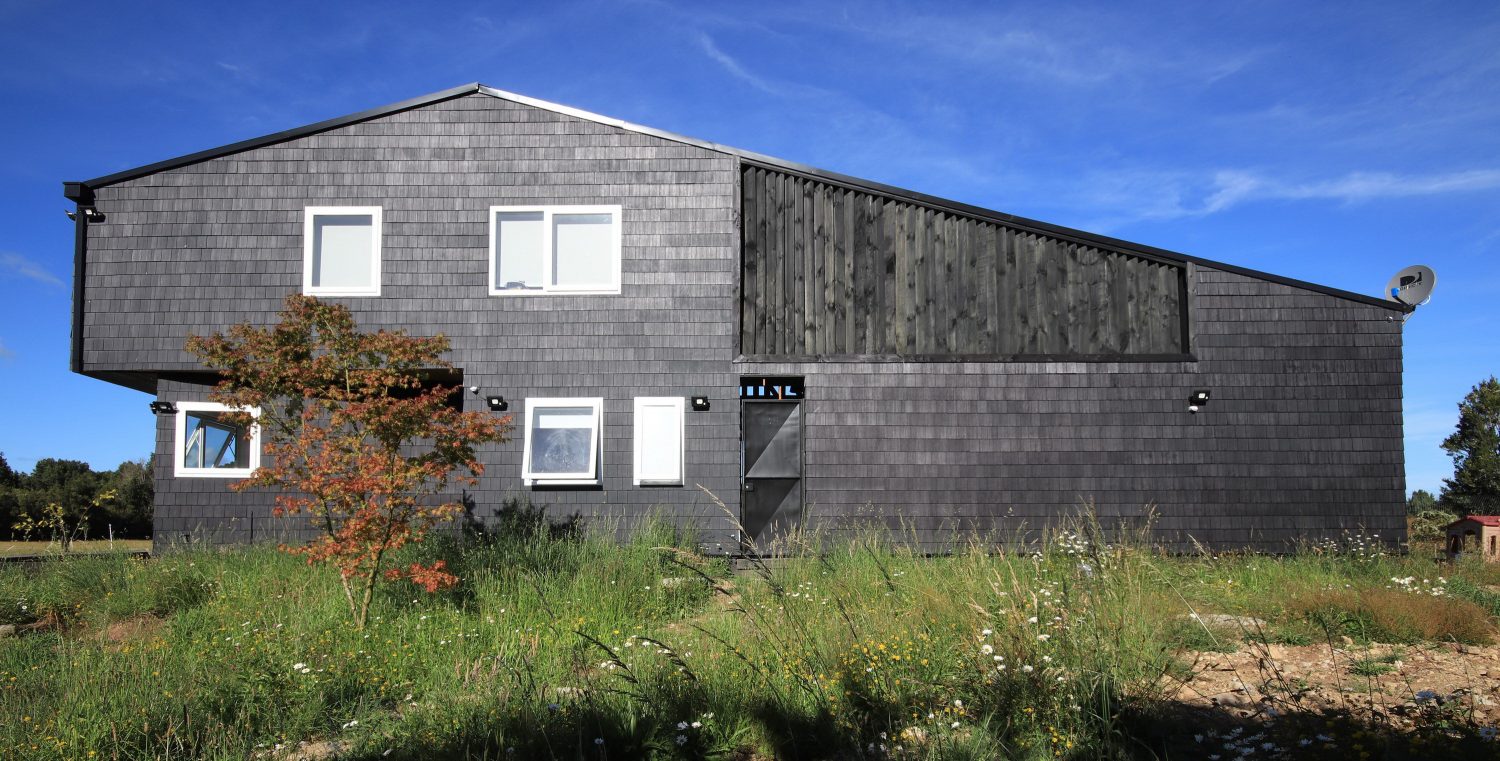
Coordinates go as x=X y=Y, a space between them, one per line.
x=19 y=266
x=727 y=61
x=6 y=354
x=1354 y=187
x=1160 y=195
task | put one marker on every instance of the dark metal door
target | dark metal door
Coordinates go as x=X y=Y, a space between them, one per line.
x=771 y=459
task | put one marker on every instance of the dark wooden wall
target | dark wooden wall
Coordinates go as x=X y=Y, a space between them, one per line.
x=831 y=271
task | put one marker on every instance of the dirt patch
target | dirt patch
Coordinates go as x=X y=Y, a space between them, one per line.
x=1382 y=684
x=134 y=629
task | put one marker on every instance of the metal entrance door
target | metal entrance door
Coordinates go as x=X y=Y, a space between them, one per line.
x=771 y=462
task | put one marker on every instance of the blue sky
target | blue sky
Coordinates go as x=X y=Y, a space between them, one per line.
x=1300 y=138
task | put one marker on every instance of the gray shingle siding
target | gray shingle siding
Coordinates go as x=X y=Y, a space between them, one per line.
x=1302 y=436
x=202 y=247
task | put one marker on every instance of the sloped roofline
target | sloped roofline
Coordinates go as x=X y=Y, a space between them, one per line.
x=82 y=191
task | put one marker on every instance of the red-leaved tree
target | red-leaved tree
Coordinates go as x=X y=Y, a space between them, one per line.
x=353 y=435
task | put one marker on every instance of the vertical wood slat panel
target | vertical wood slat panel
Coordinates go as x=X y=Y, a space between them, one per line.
x=827 y=321
x=776 y=237
x=750 y=258
x=830 y=270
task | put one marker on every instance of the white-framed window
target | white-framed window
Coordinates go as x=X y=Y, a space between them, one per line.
x=207 y=445
x=538 y=250
x=341 y=250
x=658 y=440
x=562 y=441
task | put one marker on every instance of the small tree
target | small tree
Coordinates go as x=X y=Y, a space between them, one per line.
x=63 y=524
x=350 y=429
x=1475 y=448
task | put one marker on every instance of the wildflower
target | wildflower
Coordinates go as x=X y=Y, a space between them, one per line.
x=553 y=706
x=1031 y=620
x=1027 y=668
x=681 y=740
x=1488 y=733
x=1043 y=637
x=698 y=724
x=1426 y=695
x=598 y=741
x=987 y=649
x=958 y=704
x=986 y=633
x=954 y=725
x=682 y=725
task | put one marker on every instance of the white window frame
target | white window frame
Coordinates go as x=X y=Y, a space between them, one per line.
x=676 y=403
x=309 y=216
x=179 y=440
x=594 y=475
x=548 y=274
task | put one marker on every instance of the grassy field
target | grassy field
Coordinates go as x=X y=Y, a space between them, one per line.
x=571 y=646
x=11 y=549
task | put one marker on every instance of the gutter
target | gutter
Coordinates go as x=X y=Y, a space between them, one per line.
x=82 y=195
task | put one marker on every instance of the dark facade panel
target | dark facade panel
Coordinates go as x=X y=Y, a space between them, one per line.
x=830 y=271
x=197 y=248
x=1293 y=446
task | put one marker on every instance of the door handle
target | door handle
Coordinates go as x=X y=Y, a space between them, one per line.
x=749 y=486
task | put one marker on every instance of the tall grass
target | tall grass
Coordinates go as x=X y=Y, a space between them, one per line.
x=561 y=643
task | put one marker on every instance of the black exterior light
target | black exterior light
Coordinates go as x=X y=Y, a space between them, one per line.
x=1197 y=399
x=700 y=404
x=497 y=403
x=161 y=408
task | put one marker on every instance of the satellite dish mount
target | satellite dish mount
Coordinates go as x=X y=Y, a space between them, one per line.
x=1411 y=286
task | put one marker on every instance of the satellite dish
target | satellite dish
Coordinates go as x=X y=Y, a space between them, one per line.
x=1411 y=286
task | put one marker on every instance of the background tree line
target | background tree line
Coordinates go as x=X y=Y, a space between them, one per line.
x=1474 y=488
x=92 y=502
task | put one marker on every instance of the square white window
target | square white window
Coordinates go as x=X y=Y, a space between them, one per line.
x=658 y=440
x=341 y=251
x=208 y=444
x=554 y=250
x=562 y=441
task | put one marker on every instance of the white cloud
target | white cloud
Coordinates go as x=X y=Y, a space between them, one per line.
x=17 y=265
x=1159 y=195
x=733 y=67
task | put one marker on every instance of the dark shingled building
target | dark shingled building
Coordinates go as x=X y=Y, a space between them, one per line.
x=863 y=353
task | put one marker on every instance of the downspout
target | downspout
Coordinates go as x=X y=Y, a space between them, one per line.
x=83 y=196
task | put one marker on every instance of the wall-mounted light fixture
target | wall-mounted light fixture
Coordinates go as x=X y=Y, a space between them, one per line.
x=497 y=403
x=162 y=408
x=700 y=404
x=1197 y=399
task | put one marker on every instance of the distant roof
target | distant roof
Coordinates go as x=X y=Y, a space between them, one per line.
x=1487 y=520
x=80 y=191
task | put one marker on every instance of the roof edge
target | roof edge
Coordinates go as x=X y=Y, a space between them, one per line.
x=72 y=189
x=274 y=138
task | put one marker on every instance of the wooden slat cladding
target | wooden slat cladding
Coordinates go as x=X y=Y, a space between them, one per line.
x=829 y=271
